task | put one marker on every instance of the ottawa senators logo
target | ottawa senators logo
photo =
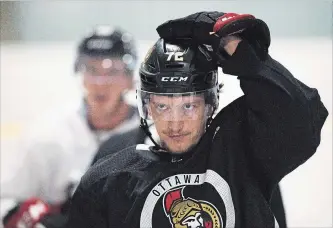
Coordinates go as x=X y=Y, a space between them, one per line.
x=190 y=213
x=189 y=200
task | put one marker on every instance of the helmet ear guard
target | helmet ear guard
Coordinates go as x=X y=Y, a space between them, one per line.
x=142 y=101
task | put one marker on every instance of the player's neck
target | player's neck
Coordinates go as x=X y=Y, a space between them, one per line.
x=110 y=120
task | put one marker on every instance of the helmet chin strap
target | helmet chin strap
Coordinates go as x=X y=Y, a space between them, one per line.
x=144 y=126
x=210 y=118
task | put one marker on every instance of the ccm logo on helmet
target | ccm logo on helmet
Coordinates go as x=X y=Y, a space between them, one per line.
x=174 y=79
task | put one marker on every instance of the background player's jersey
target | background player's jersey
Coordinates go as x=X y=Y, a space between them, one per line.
x=54 y=155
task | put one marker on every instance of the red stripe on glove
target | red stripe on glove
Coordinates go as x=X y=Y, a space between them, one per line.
x=228 y=18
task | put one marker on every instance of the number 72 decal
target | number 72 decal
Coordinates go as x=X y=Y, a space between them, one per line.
x=178 y=56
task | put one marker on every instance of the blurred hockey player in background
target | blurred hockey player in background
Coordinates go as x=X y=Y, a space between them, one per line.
x=59 y=151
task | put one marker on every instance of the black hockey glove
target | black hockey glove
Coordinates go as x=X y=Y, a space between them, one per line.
x=211 y=27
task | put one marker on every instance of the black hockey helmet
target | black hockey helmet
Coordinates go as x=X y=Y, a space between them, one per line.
x=178 y=67
x=182 y=70
x=107 y=42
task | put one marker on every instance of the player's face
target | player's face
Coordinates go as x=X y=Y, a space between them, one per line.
x=104 y=81
x=180 y=121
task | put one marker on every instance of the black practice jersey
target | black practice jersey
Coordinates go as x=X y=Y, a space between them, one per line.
x=228 y=178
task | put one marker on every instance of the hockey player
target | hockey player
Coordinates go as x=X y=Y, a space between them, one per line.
x=62 y=149
x=119 y=142
x=207 y=171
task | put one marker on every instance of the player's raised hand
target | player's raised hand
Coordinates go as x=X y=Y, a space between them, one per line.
x=214 y=27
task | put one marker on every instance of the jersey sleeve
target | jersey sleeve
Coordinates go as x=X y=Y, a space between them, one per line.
x=86 y=209
x=284 y=117
x=118 y=143
x=102 y=198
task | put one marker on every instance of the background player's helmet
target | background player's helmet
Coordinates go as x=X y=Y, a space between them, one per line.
x=178 y=69
x=107 y=42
